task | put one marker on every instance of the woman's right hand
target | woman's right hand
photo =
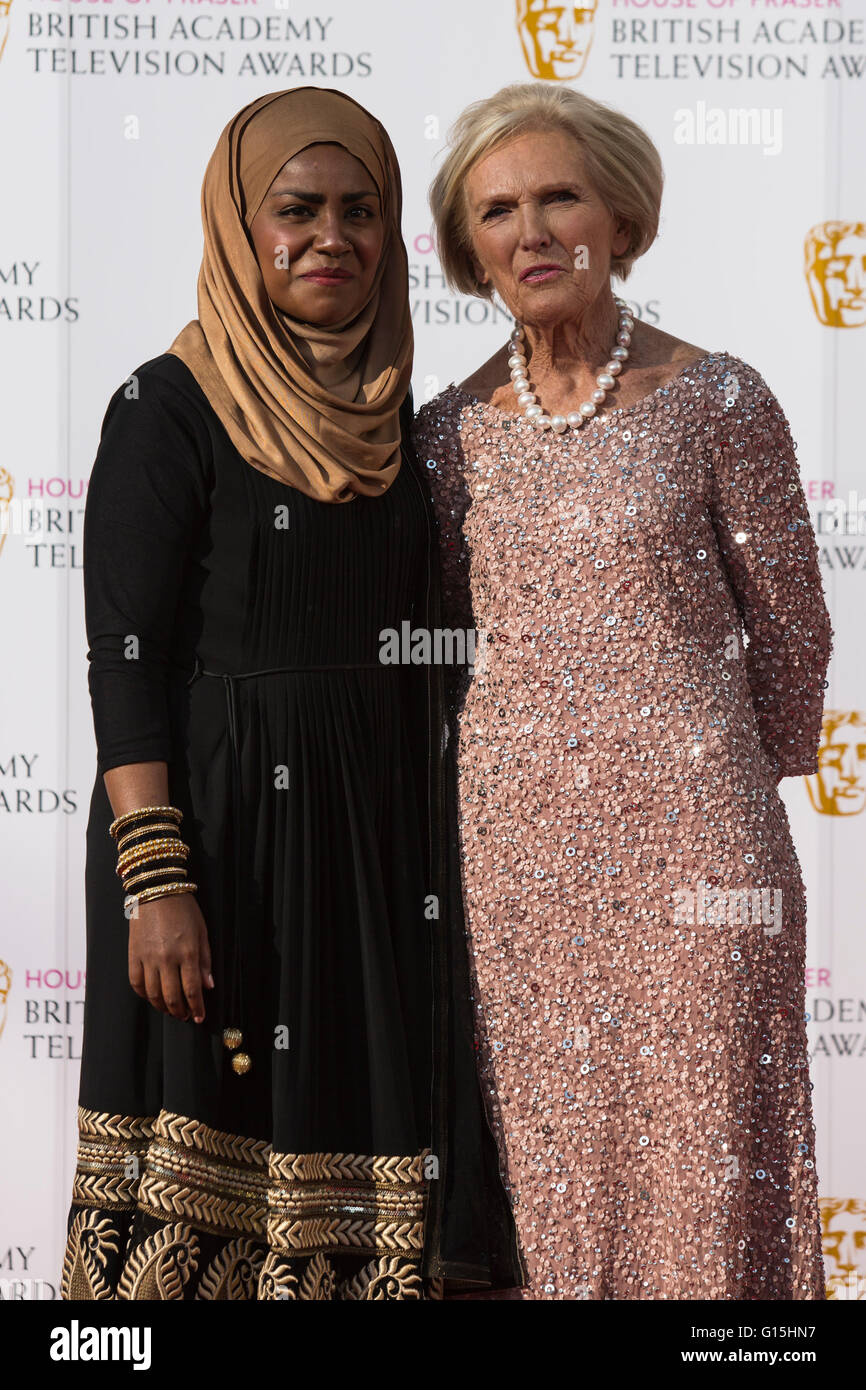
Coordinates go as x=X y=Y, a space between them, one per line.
x=169 y=956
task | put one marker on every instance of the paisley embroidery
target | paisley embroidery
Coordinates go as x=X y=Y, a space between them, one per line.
x=319 y=1280
x=92 y=1238
x=389 y=1277
x=233 y=1274
x=276 y=1280
x=161 y=1266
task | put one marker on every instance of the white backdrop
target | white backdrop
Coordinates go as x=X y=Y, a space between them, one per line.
x=109 y=111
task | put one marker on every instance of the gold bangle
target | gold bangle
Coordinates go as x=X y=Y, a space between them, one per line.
x=152 y=849
x=167 y=889
x=164 y=861
x=153 y=873
x=153 y=862
x=153 y=866
x=167 y=828
x=142 y=813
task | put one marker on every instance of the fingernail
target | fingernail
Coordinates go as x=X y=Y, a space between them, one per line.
x=199 y=1018
x=209 y=980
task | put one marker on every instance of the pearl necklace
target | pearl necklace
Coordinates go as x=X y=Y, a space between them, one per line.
x=605 y=381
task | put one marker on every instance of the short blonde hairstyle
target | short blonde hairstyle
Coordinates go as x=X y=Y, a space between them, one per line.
x=621 y=161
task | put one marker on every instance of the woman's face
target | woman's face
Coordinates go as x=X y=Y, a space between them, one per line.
x=530 y=204
x=319 y=235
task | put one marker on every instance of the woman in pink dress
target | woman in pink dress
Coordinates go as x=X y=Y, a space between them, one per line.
x=622 y=521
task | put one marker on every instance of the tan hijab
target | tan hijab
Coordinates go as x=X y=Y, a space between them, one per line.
x=315 y=407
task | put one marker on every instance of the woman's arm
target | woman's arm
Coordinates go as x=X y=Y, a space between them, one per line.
x=169 y=952
x=765 y=535
x=146 y=502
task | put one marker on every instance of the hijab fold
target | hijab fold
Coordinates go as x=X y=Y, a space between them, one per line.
x=316 y=407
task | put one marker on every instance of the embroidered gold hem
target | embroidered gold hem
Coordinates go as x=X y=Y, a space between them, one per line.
x=282 y=1218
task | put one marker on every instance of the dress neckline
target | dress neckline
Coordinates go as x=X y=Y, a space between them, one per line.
x=648 y=401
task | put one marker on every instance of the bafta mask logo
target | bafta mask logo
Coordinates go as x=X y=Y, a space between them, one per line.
x=836 y=273
x=5 y=7
x=843 y=1239
x=839 y=786
x=556 y=38
x=6 y=491
x=5 y=986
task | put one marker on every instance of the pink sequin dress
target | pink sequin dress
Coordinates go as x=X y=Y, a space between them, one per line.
x=657 y=645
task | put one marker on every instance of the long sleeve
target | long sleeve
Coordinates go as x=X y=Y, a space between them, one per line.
x=437 y=443
x=765 y=535
x=146 y=502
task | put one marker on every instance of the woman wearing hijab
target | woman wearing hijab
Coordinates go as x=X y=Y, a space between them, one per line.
x=284 y=1104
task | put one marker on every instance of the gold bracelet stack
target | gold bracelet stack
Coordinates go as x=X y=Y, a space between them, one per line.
x=150 y=851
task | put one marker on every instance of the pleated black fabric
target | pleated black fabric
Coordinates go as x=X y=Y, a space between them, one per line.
x=314 y=787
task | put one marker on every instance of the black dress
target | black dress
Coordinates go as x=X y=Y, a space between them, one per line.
x=235 y=628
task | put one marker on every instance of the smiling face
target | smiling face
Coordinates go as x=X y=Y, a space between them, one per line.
x=319 y=235
x=541 y=236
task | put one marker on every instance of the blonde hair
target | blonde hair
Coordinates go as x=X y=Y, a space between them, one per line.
x=621 y=162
